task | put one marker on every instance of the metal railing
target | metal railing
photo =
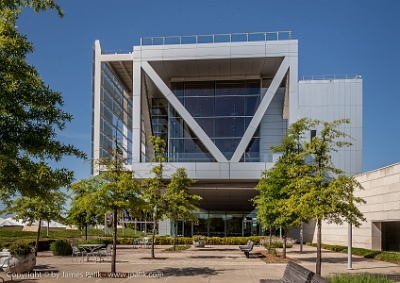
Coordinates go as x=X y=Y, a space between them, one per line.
x=330 y=77
x=118 y=51
x=217 y=38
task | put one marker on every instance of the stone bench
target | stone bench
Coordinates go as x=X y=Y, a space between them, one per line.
x=295 y=273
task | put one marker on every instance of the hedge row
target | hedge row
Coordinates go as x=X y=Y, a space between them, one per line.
x=393 y=257
x=44 y=244
x=209 y=240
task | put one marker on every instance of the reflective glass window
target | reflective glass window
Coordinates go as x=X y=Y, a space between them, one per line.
x=207 y=124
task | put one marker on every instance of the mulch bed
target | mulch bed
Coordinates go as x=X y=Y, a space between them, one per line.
x=271 y=258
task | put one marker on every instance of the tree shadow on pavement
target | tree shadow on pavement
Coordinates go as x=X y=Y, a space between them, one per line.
x=211 y=249
x=186 y=271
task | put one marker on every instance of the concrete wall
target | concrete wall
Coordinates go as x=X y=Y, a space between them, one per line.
x=382 y=194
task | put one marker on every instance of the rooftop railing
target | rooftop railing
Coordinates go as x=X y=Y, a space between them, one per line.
x=217 y=38
x=330 y=77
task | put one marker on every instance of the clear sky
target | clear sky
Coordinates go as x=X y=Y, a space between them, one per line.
x=335 y=37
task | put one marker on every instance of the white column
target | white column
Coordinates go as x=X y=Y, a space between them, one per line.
x=96 y=104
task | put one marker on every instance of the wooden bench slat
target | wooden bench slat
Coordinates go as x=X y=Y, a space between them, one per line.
x=295 y=273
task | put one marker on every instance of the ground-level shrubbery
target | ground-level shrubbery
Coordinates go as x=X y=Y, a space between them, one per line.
x=276 y=242
x=60 y=247
x=179 y=248
x=209 y=240
x=360 y=278
x=393 y=257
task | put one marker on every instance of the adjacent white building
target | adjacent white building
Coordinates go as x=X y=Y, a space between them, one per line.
x=220 y=102
x=381 y=230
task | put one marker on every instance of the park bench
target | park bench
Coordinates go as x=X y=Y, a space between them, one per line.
x=245 y=246
x=247 y=249
x=295 y=273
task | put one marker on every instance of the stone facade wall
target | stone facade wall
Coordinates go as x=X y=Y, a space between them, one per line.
x=382 y=194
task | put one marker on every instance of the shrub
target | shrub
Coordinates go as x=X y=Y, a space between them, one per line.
x=125 y=241
x=393 y=257
x=20 y=248
x=61 y=247
x=197 y=238
x=179 y=248
x=277 y=243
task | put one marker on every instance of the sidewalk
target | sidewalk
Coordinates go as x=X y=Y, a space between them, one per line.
x=212 y=264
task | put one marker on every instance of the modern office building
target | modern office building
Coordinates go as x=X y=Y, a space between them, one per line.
x=219 y=102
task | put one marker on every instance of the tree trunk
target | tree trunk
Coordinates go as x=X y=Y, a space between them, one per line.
x=175 y=234
x=38 y=237
x=284 y=246
x=270 y=238
x=319 y=244
x=114 y=250
x=153 y=237
x=86 y=231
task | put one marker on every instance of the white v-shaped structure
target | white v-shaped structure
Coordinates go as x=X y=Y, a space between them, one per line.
x=219 y=106
x=279 y=72
x=203 y=137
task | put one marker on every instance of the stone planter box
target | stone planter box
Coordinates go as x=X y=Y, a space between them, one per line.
x=200 y=243
x=21 y=263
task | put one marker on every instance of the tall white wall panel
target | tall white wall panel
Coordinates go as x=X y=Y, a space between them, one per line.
x=329 y=100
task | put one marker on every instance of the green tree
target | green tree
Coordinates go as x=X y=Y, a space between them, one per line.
x=30 y=113
x=31 y=209
x=266 y=201
x=82 y=212
x=154 y=188
x=181 y=203
x=324 y=192
x=118 y=191
x=276 y=185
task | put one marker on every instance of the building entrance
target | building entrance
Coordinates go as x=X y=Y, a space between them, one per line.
x=219 y=225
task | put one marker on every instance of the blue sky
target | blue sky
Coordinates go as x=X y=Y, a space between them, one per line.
x=335 y=37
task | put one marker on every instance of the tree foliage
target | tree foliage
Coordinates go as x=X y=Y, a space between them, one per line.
x=181 y=203
x=39 y=208
x=276 y=185
x=117 y=191
x=30 y=113
x=82 y=211
x=154 y=187
x=326 y=192
x=304 y=184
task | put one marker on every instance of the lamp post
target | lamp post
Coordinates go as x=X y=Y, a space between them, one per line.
x=301 y=238
x=349 y=248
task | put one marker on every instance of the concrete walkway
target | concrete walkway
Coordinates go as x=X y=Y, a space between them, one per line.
x=211 y=264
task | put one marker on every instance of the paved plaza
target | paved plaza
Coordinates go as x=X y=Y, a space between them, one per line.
x=211 y=264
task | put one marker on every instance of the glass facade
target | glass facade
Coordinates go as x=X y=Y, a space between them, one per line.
x=217 y=224
x=223 y=109
x=115 y=116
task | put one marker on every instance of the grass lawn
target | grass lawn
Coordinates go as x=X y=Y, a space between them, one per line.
x=360 y=278
x=393 y=257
